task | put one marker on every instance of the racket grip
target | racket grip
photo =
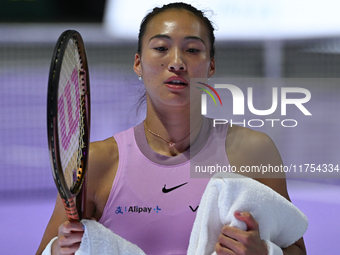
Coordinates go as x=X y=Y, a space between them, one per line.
x=71 y=209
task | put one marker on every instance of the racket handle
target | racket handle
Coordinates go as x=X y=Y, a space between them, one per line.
x=71 y=209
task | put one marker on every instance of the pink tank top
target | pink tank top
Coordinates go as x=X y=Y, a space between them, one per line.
x=153 y=201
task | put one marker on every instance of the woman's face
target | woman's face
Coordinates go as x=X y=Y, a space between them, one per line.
x=175 y=48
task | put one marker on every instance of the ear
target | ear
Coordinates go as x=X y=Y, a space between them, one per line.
x=212 y=67
x=137 y=65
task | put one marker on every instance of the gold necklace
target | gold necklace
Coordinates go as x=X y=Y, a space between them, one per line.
x=170 y=144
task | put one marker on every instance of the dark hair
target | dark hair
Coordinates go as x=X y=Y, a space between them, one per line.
x=173 y=6
x=177 y=6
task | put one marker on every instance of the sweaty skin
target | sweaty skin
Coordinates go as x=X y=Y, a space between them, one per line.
x=175 y=48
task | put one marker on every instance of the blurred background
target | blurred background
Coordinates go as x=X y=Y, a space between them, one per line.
x=255 y=39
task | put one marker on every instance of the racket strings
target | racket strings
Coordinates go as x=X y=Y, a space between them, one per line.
x=81 y=145
x=70 y=118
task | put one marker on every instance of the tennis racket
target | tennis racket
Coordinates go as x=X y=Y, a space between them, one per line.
x=68 y=121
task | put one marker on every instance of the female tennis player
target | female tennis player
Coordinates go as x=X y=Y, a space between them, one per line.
x=139 y=184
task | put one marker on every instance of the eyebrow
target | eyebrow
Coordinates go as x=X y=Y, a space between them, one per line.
x=185 y=38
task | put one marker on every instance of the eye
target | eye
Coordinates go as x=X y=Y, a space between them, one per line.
x=193 y=50
x=160 y=48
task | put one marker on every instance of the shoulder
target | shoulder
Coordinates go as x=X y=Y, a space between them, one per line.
x=249 y=143
x=256 y=150
x=102 y=152
x=103 y=158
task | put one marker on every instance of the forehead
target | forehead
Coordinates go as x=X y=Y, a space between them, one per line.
x=176 y=23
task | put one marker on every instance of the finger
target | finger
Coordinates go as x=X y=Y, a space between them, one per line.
x=230 y=244
x=222 y=250
x=69 y=249
x=65 y=241
x=248 y=219
x=69 y=227
x=233 y=232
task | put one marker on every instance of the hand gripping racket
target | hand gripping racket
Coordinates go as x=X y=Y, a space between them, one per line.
x=68 y=121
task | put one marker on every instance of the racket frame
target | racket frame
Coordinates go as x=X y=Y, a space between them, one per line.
x=75 y=212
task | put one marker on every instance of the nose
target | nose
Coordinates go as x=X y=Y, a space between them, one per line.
x=176 y=62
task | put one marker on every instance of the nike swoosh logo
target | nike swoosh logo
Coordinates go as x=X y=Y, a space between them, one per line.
x=165 y=190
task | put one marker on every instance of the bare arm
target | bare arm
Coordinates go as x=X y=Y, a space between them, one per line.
x=58 y=217
x=246 y=147
x=103 y=161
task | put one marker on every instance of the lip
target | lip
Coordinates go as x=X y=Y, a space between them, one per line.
x=175 y=86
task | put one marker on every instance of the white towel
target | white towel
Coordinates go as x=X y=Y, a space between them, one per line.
x=279 y=220
x=97 y=239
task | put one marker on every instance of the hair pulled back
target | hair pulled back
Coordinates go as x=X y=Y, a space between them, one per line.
x=177 y=6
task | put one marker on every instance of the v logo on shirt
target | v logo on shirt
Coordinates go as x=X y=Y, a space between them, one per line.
x=192 y=209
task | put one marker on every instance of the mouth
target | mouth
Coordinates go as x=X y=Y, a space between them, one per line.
x=176 y=83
